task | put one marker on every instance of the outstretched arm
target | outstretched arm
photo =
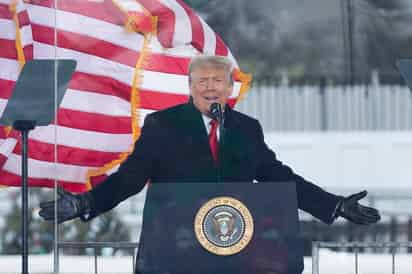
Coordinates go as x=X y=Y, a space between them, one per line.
x=127 y=181
x=311 y=198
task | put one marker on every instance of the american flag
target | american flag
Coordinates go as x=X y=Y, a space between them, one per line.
x=132 y=59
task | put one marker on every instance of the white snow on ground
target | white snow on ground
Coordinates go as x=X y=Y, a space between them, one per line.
x=330 y=263
x=344 y=263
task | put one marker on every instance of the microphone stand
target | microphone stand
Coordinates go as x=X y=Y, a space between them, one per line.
x=24 y=126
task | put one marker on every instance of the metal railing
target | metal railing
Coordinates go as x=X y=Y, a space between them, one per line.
x=330 y=108
x=316 y=246
x=356 y=246
x=98 y=245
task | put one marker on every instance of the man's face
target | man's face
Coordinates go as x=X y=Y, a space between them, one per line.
x=209 y=84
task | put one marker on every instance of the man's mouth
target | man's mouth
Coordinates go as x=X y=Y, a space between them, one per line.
x=211 y=98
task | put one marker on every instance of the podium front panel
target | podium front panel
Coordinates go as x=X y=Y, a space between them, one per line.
x=170 y=244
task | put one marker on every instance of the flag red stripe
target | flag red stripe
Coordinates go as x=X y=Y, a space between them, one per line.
x=85 y=44
x=67 y=155
x=28 y=52
x=99 y=84
x=43 y=34
x=3 y=159
x=155 y=100
x=94 y=121
x=103 y=11
x=24 y=19
x=221 y=48
x=168 y=64
x=5 y=12
x=6 y=88
x=150 y=99
x=11 y=179
x=198 y=39
x=8 y=50
x=3 y=134
x=101 y=48
x=95 y=180
x=231 y=102
x=166 y=21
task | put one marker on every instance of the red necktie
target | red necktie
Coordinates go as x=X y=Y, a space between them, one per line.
x=214 y=144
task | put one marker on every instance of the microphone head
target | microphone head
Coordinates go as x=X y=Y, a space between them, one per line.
x=215 y=110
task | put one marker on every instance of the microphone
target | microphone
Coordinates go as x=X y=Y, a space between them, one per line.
x=217 y=113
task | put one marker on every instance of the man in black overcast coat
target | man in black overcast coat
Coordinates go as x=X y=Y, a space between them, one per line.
x=174 y=147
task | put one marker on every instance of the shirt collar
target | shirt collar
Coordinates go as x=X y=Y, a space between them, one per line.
x=206 y=121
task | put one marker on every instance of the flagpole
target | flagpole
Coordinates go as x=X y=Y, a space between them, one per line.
x=24 y=126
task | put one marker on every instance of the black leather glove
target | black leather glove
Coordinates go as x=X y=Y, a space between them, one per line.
x=69 y=206
x=354 y=212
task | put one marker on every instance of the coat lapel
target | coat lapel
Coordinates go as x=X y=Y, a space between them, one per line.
x=234 y=145
x=195 y=134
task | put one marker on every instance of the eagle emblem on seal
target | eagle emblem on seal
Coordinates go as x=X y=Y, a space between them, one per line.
x=223 y=226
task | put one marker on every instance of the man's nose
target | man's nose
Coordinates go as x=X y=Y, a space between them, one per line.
x=210 y=83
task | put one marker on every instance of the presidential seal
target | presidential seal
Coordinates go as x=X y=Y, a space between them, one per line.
x=223 y=226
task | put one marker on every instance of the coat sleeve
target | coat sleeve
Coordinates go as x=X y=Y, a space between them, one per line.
x=131 y=176
x=310 y=197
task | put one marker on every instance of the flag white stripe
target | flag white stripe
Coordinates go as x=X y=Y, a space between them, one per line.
x=209 y=47
x=230 y=56
x=26 y=35
x=47 y=170
x=8 y=32
x=182 y=51
x=87 y=63
x=9 y=69
x=81 y=24
x=142 y=115
x=182 y=33
x=7 y=145
x=20 y=6
x=3 y=103
x=171 y=83
x=95 y=103
x=165 y=82
x=92 y=140
x=236 y=89
x=8 y=29
x=130 y=5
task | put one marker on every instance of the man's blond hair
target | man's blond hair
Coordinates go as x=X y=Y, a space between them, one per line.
x=212 y=61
